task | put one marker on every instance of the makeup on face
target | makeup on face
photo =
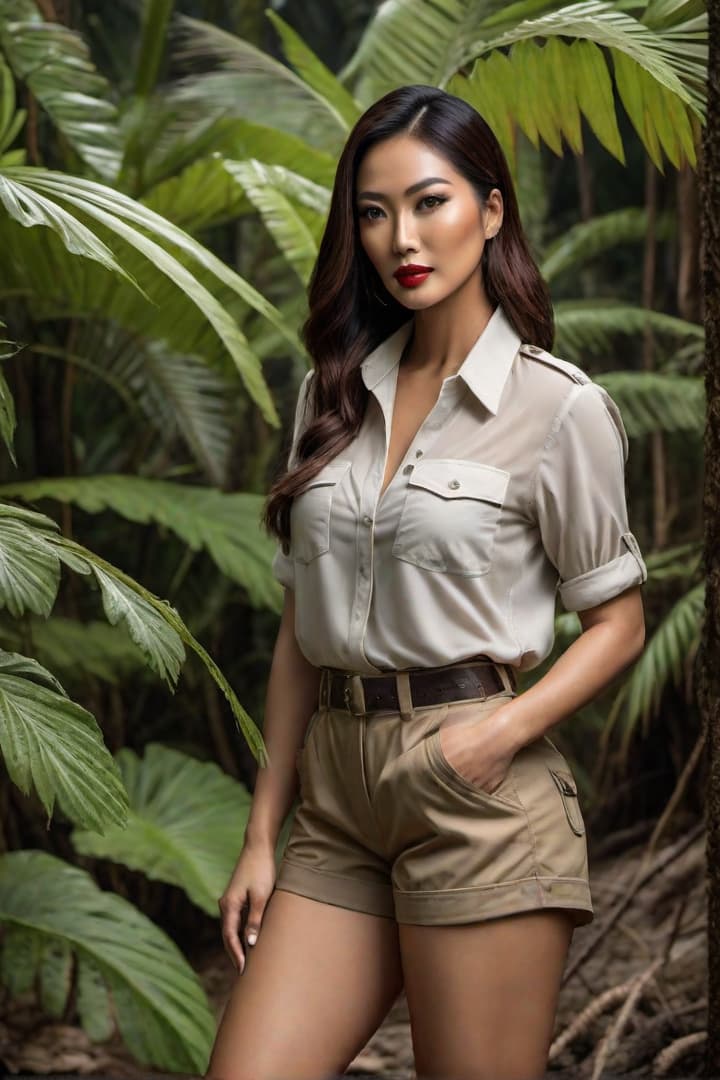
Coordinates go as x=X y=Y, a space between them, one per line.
x=420 y=222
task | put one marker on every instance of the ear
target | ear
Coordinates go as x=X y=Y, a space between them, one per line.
x=493 y=213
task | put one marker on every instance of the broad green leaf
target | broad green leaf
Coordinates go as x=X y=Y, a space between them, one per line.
x=78 y=557
x=29 y=567
x=227 y=525
x=162 y=1013
x=411 y=41
x=587 y=239
x=78 y=650
x=56 y=966
x=30 y=208
x=315 y=74
x=490 y=89
x=653 y=402
x=186 y=823
x=54 y=746
x=242 y=76
x=195 y=190
x=160 y=644
x=132 y=221
x=55 y=63
x=266 y=187
x=674 y=58
x=672 y=646
x=93 y=1000
x=127 y=218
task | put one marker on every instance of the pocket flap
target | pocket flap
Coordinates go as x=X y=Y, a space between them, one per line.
x=329 y=474
x=457 y=479
x=565 y=782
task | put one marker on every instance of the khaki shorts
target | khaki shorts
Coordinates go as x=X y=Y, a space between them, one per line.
x=386 y=825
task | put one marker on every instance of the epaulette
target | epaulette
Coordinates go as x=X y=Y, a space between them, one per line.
x=571 y=370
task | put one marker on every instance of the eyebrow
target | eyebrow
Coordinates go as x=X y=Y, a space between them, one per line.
x=409 y=191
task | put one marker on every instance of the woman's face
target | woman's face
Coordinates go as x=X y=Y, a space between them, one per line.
x=414 y=208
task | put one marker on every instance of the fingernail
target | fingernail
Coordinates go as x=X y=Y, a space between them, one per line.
x=252 y=937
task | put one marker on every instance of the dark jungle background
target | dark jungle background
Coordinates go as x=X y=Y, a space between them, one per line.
x=165 y=169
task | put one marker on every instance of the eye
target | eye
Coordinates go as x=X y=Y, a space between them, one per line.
x=439 y=200
x=366 y=212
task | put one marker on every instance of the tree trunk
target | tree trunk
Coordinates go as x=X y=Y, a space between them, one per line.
x=709 y=681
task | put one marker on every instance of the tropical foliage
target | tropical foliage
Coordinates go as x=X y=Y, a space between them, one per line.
x=158 y=224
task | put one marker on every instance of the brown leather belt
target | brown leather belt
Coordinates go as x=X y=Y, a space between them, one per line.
x=428 y=686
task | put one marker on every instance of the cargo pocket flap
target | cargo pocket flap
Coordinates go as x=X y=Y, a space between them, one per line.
x=565 y=783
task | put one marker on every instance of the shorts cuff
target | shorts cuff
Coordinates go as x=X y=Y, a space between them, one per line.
x=454 y=906
x=369 y=896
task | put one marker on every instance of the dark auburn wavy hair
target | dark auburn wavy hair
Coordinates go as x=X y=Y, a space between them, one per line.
x=351 y=311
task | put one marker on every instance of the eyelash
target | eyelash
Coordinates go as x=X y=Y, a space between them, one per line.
x=439 y=200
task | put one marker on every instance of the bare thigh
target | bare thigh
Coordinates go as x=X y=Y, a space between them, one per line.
x=316 y=986
x=483 y=996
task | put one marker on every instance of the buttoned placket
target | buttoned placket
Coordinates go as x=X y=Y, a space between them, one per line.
x=449 y=396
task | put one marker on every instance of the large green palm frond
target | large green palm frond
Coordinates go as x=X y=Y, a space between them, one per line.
x=587 y=327
x=226 y=525
x=186 y=822
x=603 y=232
x=56 y=66
x=31 y=552
x=659 y=75
x=650 y=401
x=545 y=88
x=665 y=658
x=242 y=76
x=292 y=208
x=178 y=396
x=53 y=746
x=34 y=196
x=64 y=934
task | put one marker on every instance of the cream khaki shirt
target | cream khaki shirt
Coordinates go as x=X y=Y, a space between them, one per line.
x=512 y=489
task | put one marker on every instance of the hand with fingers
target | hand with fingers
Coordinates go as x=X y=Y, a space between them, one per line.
x=242 y=905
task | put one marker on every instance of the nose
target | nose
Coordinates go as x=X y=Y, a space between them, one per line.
x=404 y=238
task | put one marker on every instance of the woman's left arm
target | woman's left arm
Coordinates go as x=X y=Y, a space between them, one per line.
x=613 y=637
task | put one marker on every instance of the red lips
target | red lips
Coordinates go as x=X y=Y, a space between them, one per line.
x=411 y=273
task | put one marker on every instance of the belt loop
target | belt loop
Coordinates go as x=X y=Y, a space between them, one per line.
x=405 y=702
x=358 y=695
x=507 y=677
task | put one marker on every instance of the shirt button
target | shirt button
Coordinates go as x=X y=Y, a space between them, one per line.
x=408 y=469
x=367 y=520
x=418 y=453
x=453 y=483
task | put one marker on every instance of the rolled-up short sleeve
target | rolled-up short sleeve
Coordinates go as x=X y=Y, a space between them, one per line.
x=580 y=501
x=282 y=566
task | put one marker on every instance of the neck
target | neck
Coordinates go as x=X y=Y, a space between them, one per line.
x=442 y=335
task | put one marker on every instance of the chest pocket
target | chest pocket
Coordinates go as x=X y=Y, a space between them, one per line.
x=450 y=516
x=310 y=513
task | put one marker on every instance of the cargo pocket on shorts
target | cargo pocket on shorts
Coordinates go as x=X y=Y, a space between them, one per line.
x=565 y=783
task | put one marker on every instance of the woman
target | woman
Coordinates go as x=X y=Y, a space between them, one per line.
x=446 y=474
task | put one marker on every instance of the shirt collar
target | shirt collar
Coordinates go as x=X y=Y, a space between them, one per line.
x=485 y=369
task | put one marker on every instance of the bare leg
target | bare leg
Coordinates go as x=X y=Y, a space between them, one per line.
x=316 y=986
x=483 y=996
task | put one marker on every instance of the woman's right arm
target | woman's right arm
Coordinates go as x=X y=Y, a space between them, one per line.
x=292 y=698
